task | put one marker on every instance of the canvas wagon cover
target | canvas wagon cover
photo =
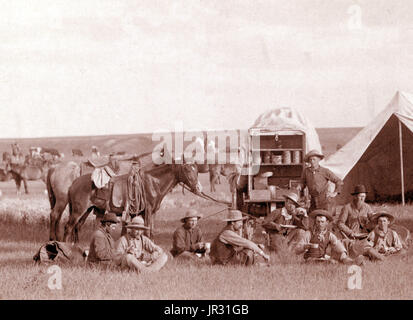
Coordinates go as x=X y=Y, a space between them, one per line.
x=289 y=119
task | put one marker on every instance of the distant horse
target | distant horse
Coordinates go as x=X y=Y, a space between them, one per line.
x=158 y=181
x=25 y=171
x=77 y=153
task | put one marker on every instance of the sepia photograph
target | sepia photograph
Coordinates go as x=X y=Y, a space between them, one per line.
x=219 y=151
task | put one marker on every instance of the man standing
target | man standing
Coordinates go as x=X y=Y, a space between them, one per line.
x=138 y=252
x=316 y=179
x=286 y=225
x=315 y=243
x=188 y=239
x=229 y=247
x=102 y=246
x=383 y=241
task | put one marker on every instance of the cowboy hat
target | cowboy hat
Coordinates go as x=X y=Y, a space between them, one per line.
x=382 y=213
x=319 y=212
x=110 y=217
x=360 y=188
x=191 y=213
x=313 y=153
x=137 y=223
x=234 y=215
x=293 y=197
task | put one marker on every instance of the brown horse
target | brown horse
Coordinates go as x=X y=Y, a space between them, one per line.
x=158 y=181
x=59 y=180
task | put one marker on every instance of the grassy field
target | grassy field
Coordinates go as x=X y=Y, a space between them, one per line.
x=24 y=228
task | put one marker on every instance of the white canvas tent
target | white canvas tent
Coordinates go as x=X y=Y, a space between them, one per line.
x=289 y=119
x=381 y=155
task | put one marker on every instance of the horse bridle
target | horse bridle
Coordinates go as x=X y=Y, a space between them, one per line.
x=182 y=177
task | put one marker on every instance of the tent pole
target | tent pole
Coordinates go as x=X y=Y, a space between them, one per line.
x=401 y=160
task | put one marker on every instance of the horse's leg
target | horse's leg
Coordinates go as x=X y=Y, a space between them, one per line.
x=81 y=222
x=76 y=211
x=17 y=181
x=55 y=216
x=25 y=185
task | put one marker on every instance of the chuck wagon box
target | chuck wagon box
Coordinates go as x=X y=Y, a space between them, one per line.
x=275 y=160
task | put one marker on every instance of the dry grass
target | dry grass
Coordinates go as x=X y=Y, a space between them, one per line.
x=24 y=227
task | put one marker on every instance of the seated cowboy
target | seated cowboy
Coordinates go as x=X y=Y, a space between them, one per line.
x=383 y=241
x=230 y=248
x=281 y=222
x=188 y=241
x=138 y=252
x=315 y=242
x=102 y=246
x=354 y=222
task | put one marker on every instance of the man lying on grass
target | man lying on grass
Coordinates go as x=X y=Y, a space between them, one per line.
x=229 y=247
x=383 y=241
x=315 y=242
x=188 y=241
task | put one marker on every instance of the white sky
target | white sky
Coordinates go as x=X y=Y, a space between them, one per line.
x=93 y=67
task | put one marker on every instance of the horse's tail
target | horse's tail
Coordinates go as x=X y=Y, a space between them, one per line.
x=52 y=197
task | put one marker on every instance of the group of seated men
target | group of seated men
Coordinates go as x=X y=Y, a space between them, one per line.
x=357 y=234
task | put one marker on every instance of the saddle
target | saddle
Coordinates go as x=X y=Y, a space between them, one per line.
x=114 y=196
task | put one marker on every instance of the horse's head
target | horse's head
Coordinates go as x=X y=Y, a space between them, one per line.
x=187 y=173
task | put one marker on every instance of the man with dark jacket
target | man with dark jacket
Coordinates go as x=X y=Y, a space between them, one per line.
x=102 y=249
x=188 y=240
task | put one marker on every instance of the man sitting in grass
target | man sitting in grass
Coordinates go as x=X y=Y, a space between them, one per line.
x=315 y=243
x=229 y=247
x=102 y=246
x=138 y=252
x=188 y=242
x=383 y=241
x=286 y=226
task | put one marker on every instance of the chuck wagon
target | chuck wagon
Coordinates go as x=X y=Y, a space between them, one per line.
x=276 y=144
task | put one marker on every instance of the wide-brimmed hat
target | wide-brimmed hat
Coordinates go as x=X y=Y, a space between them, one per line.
x=292 y=196
x=110 y=217
x=382 y=213
x=360 y=188
x=319 y=212
x=234 y=215
x=313 y=153
x=191 y=213
x=137 y=223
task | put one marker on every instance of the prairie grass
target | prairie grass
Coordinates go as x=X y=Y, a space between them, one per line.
x=24 y=228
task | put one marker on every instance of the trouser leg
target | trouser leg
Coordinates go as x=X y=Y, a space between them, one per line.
x=158 y=263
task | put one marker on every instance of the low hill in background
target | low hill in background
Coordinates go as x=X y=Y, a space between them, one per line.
x=330 y=138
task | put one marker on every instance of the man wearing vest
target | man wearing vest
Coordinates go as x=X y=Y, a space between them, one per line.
x=316 y=179
x=229 y=247
x=315 y=243
x=354 y=222
x=383 y=241
x=286 y=226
